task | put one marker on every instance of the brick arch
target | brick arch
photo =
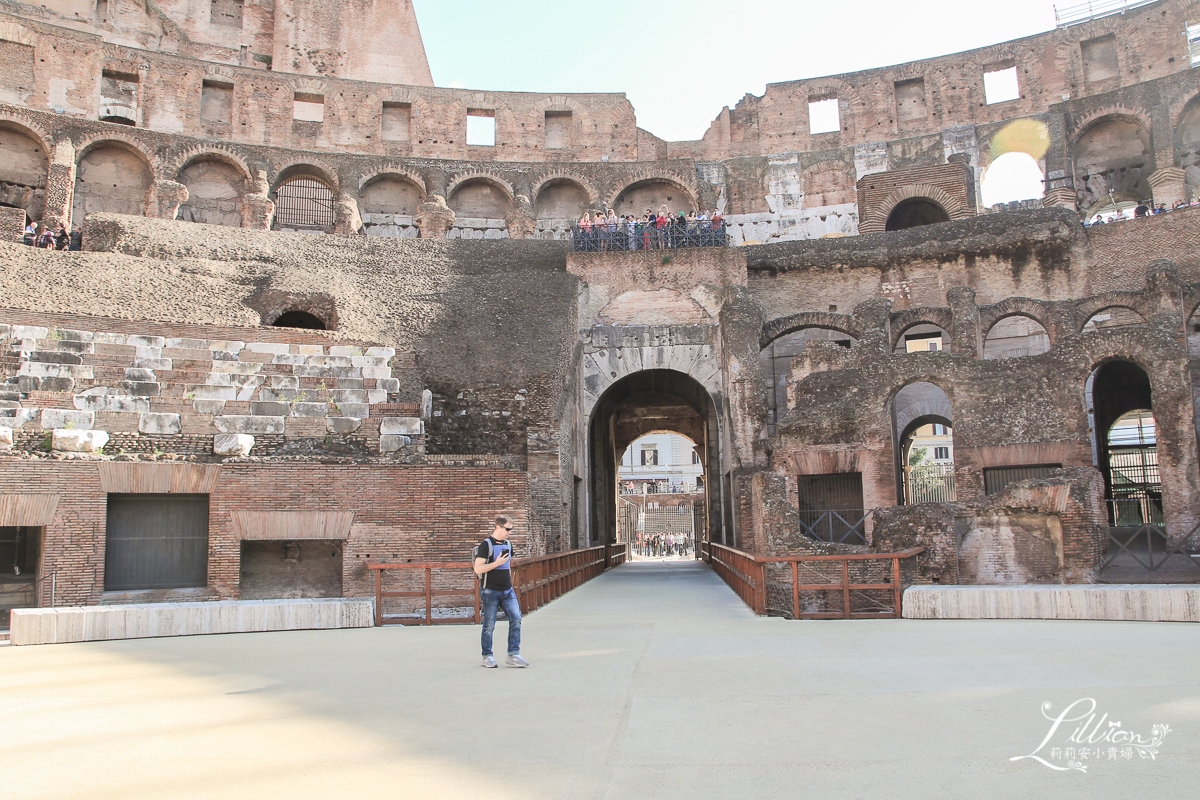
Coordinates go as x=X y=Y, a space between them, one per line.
x=312 y=166
x=27 y=125
x=878 y=221
x=559 y=102
x=563 y=175
x=839 y=165
x=855 y=105
x=666 y=176
x=216 y=153
x=1130 y=301
x=777 y=328
x=1114 y=111
x=124 y=140
x=902 y=321
x=938 y=407
x=483 y=175
x=12 y=32
x=1191 y=299
x=1035 y=310
x=396 y=171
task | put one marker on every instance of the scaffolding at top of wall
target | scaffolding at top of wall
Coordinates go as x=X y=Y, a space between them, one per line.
x=1086 y=12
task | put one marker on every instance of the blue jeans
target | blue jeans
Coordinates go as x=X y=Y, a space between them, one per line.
x=491 y=600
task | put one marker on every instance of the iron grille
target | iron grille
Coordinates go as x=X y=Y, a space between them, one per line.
x=156 y=541
x=619 y=235
x=304 y=202
x=831 y=507
x=929 y=483
x=996 y=478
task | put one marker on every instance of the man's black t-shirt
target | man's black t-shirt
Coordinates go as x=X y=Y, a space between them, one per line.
x=499 y=579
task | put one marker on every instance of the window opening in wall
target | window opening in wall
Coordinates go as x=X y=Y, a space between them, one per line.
x=996 y=478
x=481 y=128
x=397 y=122
x=118 y=97
x=1100 y=58
x=558 y=129
x=102 y=11
x=156 y=541
x=18 y=569
x=299 y=319
x=216 y=102
x=226 y=12
x=1001 y=85
x=925 y=341
x=649 y=458
x=831 y=507
x=308 y=107
x=1193 y=39
x=929 y=464
x=910 y=100
x=1012 y=177
x=824 y=115
x=304 y=202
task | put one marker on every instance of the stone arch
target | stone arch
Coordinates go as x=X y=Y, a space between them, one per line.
x=1129 y=316
x=113 y=175
x=194 y=154
x=1015 y=335
x=1091 y=306
x=1186 y=131
x=310 y=203
x=904 y=321
x=561 y=196
x=117 y=137
x=878 y=221
x=938 y=405
x=782 y=326
x=685 y=182
x=476 y=194
x=12 y=32
x=308 y=166
x=1036 y=310
x=1112 y=151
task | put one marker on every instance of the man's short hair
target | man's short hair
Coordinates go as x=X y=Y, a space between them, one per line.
x=502 y=520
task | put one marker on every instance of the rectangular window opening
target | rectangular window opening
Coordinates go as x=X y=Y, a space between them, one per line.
x=397 y=122
x=156 y=541
x=996 y=478
x=308 y=107
x=1000 y=85
x=558 y=130
x=824 y=115
x=649 y=458
x=910 y=100
x=102 y=11
x=481 y=128
x=1100 y=58
x=216 y=102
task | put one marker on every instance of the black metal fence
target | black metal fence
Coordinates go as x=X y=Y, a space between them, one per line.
x=616 y=235
x=844 y=526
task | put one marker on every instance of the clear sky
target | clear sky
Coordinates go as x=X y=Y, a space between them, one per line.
x=680 y=62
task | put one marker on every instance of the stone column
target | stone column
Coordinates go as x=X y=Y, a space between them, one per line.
x=434 y=218
x=964 y=325
x=346 y=216
x=521 y=222
x=1168 y=184
x=1164 y=290
x=60 y=186
x=165 y=198
x=1059 y=198
x=257 y=208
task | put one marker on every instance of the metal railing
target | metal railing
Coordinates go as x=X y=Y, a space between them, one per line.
x=853 y=578
x=843 y=526
x=929 y=483
x=537 y=582
x=1133 y=512
x=1147 y=546
x=1085 y=12
x=623 y=236
x=24 y=588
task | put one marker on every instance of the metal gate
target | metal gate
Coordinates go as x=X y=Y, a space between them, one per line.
x=831 y=507
x=304 y=202
x=156 y=541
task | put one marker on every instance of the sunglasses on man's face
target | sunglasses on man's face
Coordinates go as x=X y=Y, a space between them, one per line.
x=508 y=529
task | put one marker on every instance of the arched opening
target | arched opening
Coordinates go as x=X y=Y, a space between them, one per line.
x=923 y=426
x=480 y=199
x=914 y=212
x=119 y=120
x=1114 y=208
x=23 y=167
x=215 y=190
x=299 y=319
x=661 y=486
x=1015 y=337
x=1187 y=143
x=923 y=337
x=654 y=402
x=1113 y=158
x=303 y=202
x=1113 y=317
x=383 y=199
x=111 y=177
x=1124 y=438
x=776 y=362
x=561 y=199
x=653 y=194
x=1011 y=178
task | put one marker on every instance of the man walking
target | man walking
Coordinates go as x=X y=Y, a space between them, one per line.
x=493 y=559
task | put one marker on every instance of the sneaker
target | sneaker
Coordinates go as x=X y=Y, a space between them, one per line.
x=516 y=661
x=490 y=662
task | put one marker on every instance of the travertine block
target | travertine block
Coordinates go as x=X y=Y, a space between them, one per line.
x=233 y=444
x=77 y=441
x=1133 y=602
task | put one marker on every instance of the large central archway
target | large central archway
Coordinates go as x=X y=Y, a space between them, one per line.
x=654 y=401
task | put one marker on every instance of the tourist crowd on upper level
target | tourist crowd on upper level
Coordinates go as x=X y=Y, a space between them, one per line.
x=1142 y=209
x=653 y=230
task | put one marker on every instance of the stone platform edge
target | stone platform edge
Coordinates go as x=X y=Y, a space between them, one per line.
x=1121 y=602
x=148 y=620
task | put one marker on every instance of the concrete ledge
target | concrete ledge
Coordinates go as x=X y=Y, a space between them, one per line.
x=139 y=621
x=1132 y=602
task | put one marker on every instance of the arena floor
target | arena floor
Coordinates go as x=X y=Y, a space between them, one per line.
x=651 y=681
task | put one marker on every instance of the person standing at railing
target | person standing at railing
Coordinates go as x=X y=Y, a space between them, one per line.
x=492 y=564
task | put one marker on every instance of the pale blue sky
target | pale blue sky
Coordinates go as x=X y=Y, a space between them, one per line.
x=681 y=62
